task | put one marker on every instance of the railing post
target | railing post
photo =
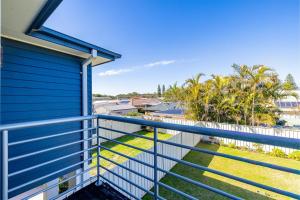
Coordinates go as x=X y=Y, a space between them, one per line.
x=156 y=189
x=98 y=154
x=5 y=165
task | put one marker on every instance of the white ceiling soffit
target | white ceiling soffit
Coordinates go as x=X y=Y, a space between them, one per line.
x=17 y=16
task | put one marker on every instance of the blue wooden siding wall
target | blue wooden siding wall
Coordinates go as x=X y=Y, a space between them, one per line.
x=39 y=84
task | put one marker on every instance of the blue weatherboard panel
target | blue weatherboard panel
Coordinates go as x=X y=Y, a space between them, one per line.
x=16 y=91
x=41 y=54
x=39 y=84
x=41 y=100
x=44 y=85
x=27 y=76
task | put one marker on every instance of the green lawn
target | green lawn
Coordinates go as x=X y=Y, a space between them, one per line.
x=134 y=141
x=259 y=174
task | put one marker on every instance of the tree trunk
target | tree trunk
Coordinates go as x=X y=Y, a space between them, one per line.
x=252 y=114
x=253 y=103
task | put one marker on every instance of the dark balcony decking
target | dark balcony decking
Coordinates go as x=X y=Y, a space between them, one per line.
x=93 y=192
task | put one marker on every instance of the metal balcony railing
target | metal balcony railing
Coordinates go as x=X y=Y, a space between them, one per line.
x=156 y=169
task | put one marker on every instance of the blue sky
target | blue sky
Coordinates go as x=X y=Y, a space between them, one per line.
x=164 y=41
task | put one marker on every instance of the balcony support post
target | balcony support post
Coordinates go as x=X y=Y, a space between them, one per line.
x=85 y=123
x=98 y=182
x=156 y=189
x=5 y=165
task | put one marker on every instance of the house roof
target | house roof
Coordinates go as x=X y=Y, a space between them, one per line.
x=172 y=112
x=162 y=107
x=144 y=101
x=23 y=21
x=119 y=107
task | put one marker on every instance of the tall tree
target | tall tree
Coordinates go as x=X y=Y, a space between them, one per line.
x=290 y=82
x=163 y=89
x=220 y=91
x=207 y=97
x=247 y=97
x=158 y=91
x=193 y=97
x=174 y=94
x=259 y=75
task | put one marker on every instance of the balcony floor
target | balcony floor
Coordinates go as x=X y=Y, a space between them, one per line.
x=93 y=192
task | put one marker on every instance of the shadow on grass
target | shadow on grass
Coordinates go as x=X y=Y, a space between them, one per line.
x=198 y=175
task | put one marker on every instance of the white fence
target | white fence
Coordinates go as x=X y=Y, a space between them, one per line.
x=166 y=164
x=120 y=126
x=280 y=132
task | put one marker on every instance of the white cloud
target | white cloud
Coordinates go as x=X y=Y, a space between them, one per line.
x=115 y=72
x=160 y=63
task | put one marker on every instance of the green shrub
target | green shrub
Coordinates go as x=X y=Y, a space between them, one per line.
x=258 y=148
x=232 y=145
x=133 y=114
x=63 y=186
x=244 y=148
x=278 y=153
x=295 y=155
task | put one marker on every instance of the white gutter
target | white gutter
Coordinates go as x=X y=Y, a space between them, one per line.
x=84 y=79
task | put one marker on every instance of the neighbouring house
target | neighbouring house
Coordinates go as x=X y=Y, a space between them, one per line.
x=176 y=113
x=117 y=109
x=163 y=106
x=120 y=107
x=97 y=104
x=123 y=101
x=143 y=103
x=45 y=75
x=290 y=108
x=101 y=98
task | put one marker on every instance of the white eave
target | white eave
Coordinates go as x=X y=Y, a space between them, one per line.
x=16 y=18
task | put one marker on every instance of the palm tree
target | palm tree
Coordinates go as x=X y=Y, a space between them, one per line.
x=173 y=93
x=219 y=87
x=207 y=96
x=258 y=77
x=241 y=88
x=247 y=97
x=193 y=90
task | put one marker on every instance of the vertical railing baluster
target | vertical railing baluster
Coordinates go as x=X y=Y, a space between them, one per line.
x=98 y=154
x=5 y=165
x=155 y=164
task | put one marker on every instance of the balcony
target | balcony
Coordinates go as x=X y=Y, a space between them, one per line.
x=139 y=175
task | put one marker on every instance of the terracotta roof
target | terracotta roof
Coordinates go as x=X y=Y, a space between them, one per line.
x=144 y=101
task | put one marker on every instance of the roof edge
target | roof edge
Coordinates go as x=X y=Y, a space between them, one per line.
x=37 y=30
x=56 y=37
x=43 y=15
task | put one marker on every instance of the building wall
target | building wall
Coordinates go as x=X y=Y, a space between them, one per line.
x=101 y=110
x=291 y=119
x=40 y=84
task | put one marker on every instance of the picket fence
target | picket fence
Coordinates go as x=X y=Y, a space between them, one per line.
x=166 y=164
x=280 y=132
